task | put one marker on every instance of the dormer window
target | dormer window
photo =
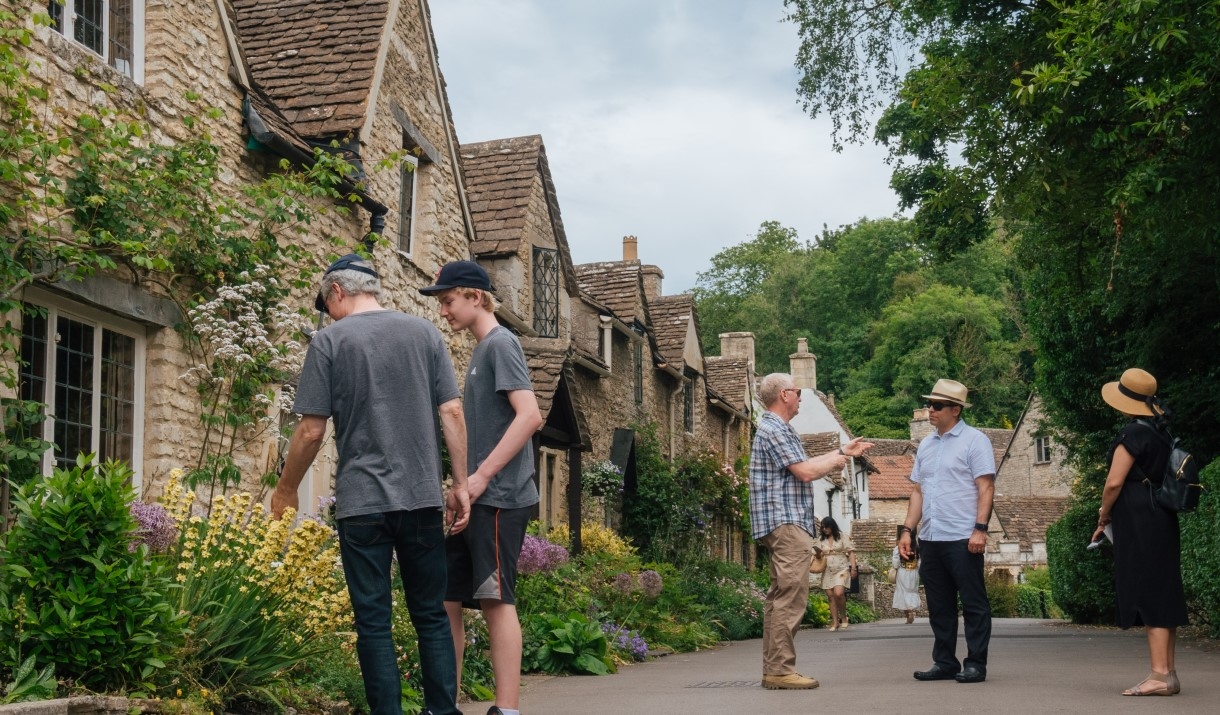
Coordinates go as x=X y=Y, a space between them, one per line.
x=111 y=29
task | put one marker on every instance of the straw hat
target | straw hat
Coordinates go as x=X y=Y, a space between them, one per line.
x=1133 y=394
x=949 y=391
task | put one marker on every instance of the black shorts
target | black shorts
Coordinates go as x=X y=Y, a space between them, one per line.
x=483 y=557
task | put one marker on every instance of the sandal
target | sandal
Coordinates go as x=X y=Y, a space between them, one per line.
x=1148 y=685
x=1172 y=683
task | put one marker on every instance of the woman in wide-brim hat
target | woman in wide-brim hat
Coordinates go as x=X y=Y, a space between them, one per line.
x=1147 y=545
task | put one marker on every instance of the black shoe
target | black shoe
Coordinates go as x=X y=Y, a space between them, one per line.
x=971 y=675
x=936 y=672
x=493 y=710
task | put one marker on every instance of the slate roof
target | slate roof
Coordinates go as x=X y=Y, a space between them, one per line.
x=1026 y=518
x=892 y=480
x=315 y=60
x=500 y=178
x=617 y=285
x=888 y=447
x=875 y=535
x=671 y=315
x=729 y=379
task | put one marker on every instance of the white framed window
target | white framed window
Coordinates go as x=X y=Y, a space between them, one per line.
x=111 y=29
x=406 y=205
x=87 y=367
x=1042 y=450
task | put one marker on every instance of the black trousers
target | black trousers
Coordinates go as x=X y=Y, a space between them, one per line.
x=949 y=570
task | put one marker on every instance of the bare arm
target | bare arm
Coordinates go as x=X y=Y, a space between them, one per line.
x=914 y=514
x=815 y=468
x=457 y=501
x=526 y=422
x=978 y=539
x=306 y=441
x=1120 y=467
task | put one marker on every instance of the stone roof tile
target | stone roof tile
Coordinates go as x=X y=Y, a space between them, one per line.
x=1026 y=518
x=875 y=535
x=729 y=378
x=617 y=285
x=546 y=364
x=671 y=316
x=316 y=56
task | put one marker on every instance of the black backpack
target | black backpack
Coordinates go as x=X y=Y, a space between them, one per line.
x=1179 y=488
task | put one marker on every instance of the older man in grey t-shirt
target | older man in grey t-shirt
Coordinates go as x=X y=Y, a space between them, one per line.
x=382 y=376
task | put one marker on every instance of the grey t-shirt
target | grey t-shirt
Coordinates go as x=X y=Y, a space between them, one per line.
x=381 y=375
x=496 y=368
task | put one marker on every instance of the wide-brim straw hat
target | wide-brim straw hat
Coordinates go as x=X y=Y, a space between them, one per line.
x=1132 y=394
x=949 y=391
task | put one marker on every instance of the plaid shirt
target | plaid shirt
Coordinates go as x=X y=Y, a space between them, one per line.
x=776 y=496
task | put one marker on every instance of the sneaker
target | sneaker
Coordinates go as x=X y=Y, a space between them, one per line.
x=493 y=710
x=791 y=681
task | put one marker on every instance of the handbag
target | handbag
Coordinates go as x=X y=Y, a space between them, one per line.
x=817 y=564
x=855 y=584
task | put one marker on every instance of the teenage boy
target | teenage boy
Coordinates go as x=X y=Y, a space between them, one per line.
x=501 y=418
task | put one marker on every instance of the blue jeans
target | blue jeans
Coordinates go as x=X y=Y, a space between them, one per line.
x=367 y=544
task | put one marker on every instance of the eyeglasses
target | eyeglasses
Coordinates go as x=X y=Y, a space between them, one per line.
x=793 y=389
x=938 y=406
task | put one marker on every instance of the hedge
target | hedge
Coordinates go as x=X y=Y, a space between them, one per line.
x=1201 y=552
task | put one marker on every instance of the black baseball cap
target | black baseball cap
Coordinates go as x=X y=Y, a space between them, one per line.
x=350 y=262
x=460 y=274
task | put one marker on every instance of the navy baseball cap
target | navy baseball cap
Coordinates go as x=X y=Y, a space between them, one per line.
x=350 y=262
x=460 y=274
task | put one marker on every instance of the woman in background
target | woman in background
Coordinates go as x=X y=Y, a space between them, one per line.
x=1147 y=544
x=840 y=567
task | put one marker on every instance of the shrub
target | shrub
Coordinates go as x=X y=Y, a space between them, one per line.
x=1201 y=550
x=595 y=540
x=732 y=600
x=817 y=613
x=1081 y=581
x=860 y=612
x=73 y=594
x=574 y=645
x=1002 y=595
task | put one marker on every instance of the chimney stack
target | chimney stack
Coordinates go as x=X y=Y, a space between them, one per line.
x=630 y=249
x=803 y=365
x=738 y=346
x=653 y=276
x=920 y=426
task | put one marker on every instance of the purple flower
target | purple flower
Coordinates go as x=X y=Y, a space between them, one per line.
x=651 y=582
x=154 y=527
x=623 y=583
x=539 y=555
x=629 y=642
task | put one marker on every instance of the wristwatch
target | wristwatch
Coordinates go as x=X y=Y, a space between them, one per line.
x=980 y=527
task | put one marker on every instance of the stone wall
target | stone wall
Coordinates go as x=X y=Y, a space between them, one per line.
x=1021 y=474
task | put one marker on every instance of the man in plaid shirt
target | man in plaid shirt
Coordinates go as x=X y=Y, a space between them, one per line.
x=781 y=512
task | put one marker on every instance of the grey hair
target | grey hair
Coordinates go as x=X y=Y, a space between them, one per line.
x=772 y=385
x=353 y=282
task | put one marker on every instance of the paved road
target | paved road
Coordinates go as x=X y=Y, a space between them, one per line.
x=1036 y=667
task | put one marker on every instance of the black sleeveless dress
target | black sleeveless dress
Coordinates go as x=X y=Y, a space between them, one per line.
x=1147 y=543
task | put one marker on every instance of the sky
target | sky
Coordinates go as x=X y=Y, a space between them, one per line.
x=676 y=121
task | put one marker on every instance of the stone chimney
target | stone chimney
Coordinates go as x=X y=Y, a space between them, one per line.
x=653 y=276
x=803 y=365
x=920 y=426
x=738 y=346
x=630 y=248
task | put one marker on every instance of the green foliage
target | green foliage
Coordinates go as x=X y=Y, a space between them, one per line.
x=1082 y=582
x=731 y=599
x=668 y=514
x=1084 y=132
x=73 y=593
x=332 y=672
x=574 y=645
x=601 y=478
x=29 y=683
x=817 y=612
x=1003 y=596
x=859 y=611
x=22 y=447
x=1201 y=550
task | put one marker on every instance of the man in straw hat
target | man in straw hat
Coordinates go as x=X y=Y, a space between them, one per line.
x=954 y=477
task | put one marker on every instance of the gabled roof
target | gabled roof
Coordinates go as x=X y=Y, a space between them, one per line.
x=315 y=60
x=887 y=447
x=550 y=369
x=730 y=379
x=999 y=441
x=617 y=285
x=874 y=535
x=820 y=443
x=671 y=321
x=892 y=480
x=500 y=176
x=1026 y=518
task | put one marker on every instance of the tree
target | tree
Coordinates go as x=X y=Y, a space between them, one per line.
x=1089 y=131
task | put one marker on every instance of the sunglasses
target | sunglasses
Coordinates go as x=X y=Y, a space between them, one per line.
x=938 y=406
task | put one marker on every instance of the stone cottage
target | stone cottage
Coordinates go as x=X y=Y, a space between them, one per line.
x=356 y=77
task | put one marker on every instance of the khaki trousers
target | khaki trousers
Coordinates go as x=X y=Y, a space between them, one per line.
x=791 y=550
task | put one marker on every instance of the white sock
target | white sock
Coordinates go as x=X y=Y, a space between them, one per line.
x=506 y=711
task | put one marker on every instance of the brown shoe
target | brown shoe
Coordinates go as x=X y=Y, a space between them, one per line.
x=791 y=681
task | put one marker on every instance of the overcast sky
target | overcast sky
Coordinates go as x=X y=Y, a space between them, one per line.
x=672 y=120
